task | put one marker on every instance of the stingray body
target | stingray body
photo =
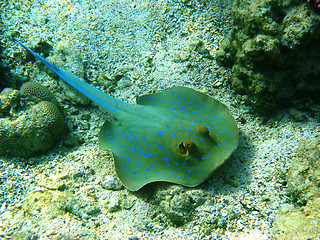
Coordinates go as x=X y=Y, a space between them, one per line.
x=178 y=135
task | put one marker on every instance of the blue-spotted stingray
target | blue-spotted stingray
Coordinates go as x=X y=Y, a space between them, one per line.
x=178 y=135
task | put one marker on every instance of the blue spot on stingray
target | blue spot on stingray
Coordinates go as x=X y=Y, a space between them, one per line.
x=168 y=127
x=107 y=132
x=203 y=158
x=146 y=170
x=149 y=155
x=143 y=139
x=173 y=135
x=126 y=166
x=168 y=164
x=138 y=163
x=129 y=139
x=170 y=172
x=129 y=133
x=110 y=136
x=134 y=172
x=140 y=151
x=187 y=177
x=157 y=172
x=111 y=141
x=166 y=159
x=183 y=129
x=128 y=159
x=189 y=129
x=160 y=146
x=178 y=102
x=200 y=139
x=194 y=112
x=122 y=146
x=160 y=134
x=184 y=163
x=145 y=155
x=178 y=96
x=149 y=144
x=136 y=137
x=189 y=171
x=152 y=165
x=132 y=149
x=122 y=135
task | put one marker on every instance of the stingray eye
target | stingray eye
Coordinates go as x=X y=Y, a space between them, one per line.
x=186 y=147
x=183 y=149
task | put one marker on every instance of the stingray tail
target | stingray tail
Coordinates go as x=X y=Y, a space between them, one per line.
x=101 y=98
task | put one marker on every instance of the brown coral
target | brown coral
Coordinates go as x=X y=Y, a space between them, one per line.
x=35 y=92
x=37 y=128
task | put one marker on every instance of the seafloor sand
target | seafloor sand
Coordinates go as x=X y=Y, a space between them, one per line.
x=149 y=45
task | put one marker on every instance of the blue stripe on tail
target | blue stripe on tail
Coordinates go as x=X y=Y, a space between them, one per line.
x=94 y=94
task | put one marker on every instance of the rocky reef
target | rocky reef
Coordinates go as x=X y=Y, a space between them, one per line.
x=273 y=52
x=31 y=120
x=300 y=217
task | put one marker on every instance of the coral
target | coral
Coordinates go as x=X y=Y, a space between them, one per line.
x=34 y=92
x=33 y=130
x=272 y=52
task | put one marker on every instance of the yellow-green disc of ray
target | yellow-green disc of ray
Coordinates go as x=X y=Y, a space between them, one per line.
x=182 y=137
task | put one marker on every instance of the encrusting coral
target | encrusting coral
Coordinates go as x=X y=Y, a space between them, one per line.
x=36 y=128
